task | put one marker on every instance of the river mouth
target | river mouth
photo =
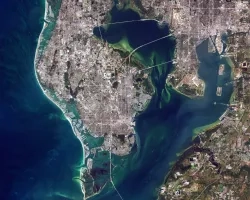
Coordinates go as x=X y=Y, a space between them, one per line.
x=166 y=126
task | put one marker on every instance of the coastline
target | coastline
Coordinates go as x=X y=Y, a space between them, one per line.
x=232 y=66
x=175 y=57
x=200 y=130
x=38 y=54
x=63 y=106
x=205 y=128
x=48 y=93
x=208 y=127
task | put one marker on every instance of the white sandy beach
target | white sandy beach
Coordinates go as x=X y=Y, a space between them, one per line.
x=36 y=62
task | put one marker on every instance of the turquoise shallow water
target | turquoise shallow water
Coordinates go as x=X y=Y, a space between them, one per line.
x=165 y=128
x=39 y=152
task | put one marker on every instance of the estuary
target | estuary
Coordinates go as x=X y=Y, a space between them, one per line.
x=167 y=126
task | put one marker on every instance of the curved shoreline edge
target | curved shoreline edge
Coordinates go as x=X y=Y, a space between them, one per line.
x=38 y=54
x=46 y=92
x=45 y=35
x=203 y=129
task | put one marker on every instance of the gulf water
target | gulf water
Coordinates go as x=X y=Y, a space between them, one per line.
x=38 y=150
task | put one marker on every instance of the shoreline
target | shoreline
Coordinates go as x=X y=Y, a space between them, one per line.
x=38 y=55
x=200 y=130
x=46 y=92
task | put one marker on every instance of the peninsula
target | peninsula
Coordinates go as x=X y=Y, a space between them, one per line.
x=134 y=97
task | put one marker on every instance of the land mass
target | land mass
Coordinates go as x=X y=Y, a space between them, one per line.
x=216 y=166
x=100 y=90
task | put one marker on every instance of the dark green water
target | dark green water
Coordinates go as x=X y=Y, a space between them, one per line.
x=166 y=127
x=39 y=152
